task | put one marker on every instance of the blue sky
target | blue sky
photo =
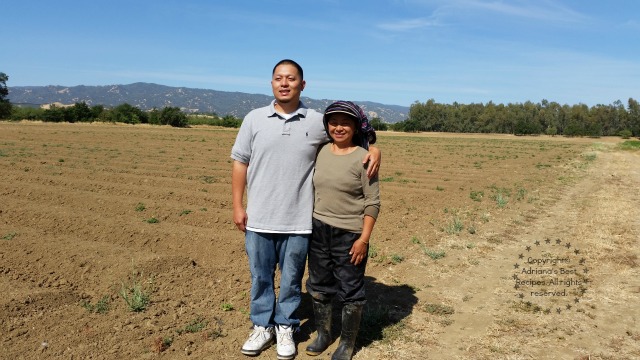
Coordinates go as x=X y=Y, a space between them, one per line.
x=392 y=52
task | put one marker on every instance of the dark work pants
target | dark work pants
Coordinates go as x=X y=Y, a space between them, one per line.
x=331 y=272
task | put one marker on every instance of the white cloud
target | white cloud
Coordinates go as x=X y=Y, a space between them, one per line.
x=544 y=10
x=631 y=25
x=408 y=24
x=540 y=9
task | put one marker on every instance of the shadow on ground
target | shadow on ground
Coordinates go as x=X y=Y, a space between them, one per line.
x=387 y=306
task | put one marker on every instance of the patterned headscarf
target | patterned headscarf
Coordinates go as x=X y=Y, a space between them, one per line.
x=365 y=135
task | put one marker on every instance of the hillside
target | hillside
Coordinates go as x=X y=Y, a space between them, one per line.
x=147 y=96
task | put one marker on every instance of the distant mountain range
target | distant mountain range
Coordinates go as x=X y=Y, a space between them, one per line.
x=147 y=96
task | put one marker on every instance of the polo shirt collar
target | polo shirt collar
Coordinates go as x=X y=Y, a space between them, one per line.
x=301 y=111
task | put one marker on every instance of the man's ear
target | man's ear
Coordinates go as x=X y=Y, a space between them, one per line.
x=304 y=83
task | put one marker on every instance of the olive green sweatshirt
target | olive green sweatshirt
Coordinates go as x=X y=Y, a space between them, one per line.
x=343 y=192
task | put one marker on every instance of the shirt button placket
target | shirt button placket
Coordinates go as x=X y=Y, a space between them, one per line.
x=286 y=127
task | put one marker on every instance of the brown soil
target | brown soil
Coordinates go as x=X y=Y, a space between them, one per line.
x=87 y=210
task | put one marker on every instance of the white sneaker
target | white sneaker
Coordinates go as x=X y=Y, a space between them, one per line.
x=286 y=347
x=260 y=339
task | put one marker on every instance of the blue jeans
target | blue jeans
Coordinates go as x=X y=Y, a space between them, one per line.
x=289 y=252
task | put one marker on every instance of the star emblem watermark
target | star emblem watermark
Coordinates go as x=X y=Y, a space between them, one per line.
x=550 y=277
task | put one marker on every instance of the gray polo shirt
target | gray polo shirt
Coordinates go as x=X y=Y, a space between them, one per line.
x=281 y=155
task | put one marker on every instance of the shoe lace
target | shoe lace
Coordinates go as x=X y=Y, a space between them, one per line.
x=257 y=333
x=285 y=336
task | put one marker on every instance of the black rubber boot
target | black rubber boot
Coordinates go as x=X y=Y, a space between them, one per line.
x=351 y=315
x=322 y=314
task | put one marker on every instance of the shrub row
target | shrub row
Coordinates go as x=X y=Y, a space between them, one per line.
x=124 y=113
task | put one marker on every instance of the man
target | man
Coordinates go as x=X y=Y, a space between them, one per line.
x=274 y=155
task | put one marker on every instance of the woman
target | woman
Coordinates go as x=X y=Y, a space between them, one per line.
x=346 y=206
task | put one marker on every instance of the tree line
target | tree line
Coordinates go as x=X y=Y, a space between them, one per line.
x=527 y=118
x=123 y=113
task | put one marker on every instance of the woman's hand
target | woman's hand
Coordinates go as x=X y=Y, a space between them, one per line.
x=359 y=251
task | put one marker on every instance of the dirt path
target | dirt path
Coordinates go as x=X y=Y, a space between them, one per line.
x=600 y=217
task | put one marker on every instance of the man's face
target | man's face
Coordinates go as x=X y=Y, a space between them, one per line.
x=286 y=84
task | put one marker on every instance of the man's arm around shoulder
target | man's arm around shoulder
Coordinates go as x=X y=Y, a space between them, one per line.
x=374 y=156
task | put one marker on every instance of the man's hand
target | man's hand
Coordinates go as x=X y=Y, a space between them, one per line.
x=373 y=157
x=240 y=219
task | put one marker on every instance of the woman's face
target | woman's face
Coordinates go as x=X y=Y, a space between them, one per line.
x=342 y=127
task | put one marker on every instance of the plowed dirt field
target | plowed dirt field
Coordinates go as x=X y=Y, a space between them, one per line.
x=487 y=247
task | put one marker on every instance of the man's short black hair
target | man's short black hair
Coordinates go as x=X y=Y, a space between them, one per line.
x=289 y=62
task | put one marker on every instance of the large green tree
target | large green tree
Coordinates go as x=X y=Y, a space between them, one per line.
x=634 y=117
x=172 y=116
x=128 y=114
x=5 y=105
